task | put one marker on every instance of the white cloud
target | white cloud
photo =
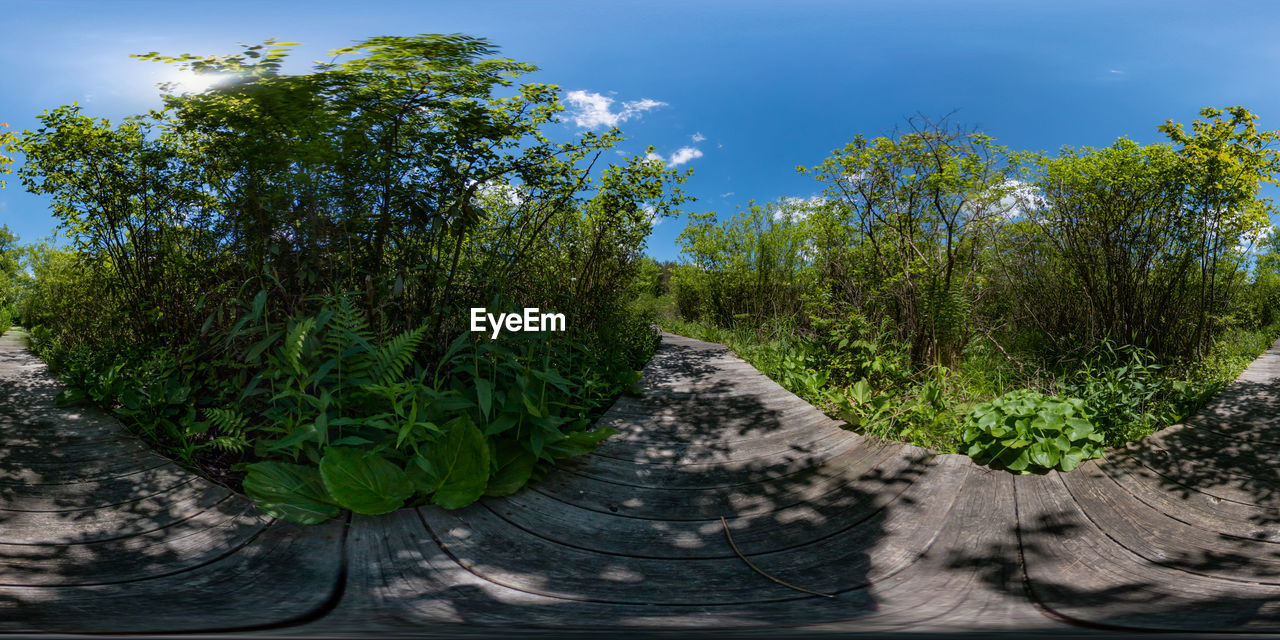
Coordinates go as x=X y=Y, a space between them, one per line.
x=592 y=110
x=698 y=137
x=1251 y=241
x=511 y=194
x=1018 y=197
x=797 y=208
x=653 y=214
x=681 y=156
x=726 y=194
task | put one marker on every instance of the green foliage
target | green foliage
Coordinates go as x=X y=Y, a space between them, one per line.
x=939 y=270
x=918 y=413
x=1025 y=431
x=746 y=269
x=292 y=492
x=7 y=141
x=1123 y=389
x=277 y=271
x=908 y=221
x=456 y=470
x=365 y=482
x=333 y=396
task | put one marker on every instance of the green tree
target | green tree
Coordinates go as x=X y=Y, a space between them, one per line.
x=378 y=173
x=909 y=219
x=1224 y=163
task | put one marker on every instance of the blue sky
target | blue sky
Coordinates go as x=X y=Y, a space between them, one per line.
x=757 y=88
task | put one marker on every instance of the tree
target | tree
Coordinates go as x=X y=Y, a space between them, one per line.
x=1224 y=164
x=1107 y=251
x=379 y=172
x=909 y=218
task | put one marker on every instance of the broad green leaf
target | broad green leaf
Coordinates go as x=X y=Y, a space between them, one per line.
x=1044 y=454
x=1072 y=458
x=458 y=464
x=484 y=395
x=861 y=391
x=1018 y=462
x=514 y=467
x=362 y=481
x=1078 y=428
x=579 y=442
x=290 y=492
x=350 y=440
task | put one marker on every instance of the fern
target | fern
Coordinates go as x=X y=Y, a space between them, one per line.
x=229 y=427
x=346 y=341
x=390 y=360
x=293 y=344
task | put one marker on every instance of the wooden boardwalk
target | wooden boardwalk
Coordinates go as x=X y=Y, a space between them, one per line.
x=1178 y=532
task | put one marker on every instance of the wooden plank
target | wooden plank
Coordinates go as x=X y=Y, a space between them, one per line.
x=701 y=475
x=763 y=491
x=104 y=522
x=286 y=573
x=1164 y=539
x=23 y=474
x=186 y=543
x=1193 y=506
x=796 y=428
x=1080 y=574
x=1252 y=485
x=116 y=490
x=612 y=533
x=681 y=453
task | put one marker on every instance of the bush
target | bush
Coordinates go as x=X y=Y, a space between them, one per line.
x=1124 y=390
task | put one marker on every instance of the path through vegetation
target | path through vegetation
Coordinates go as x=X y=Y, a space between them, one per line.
x=1180 y=531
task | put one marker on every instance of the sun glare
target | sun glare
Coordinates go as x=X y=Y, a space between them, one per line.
x=184 y=81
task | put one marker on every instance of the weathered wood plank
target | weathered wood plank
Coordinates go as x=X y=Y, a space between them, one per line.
x=760 y=491
x=1078 y=572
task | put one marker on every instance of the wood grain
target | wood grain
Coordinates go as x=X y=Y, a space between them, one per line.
x=1178 y=532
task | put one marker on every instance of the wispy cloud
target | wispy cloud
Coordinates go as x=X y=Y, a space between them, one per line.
x=681 y=156
x=698 y=137
x=726 y=194
x=653 y=214
x=592 y=110
x=792 y=208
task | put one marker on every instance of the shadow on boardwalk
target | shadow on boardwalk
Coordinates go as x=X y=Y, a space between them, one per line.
x=1177 y=532
x=98 y=533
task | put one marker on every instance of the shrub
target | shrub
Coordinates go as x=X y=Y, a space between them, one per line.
x=1123 y=389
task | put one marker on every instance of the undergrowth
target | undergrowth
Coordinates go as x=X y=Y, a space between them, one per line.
x=1121 y=392
x=313 y=415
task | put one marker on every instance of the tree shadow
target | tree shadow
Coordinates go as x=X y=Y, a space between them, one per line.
x=93 y=522
x=1175 y=532
x=631 y=538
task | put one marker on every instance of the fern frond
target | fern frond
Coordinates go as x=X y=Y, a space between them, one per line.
x=227 y=421
x=294 y=341
x=347 y=341
x=230 y=427
x=390 y=361
x=229 y=444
